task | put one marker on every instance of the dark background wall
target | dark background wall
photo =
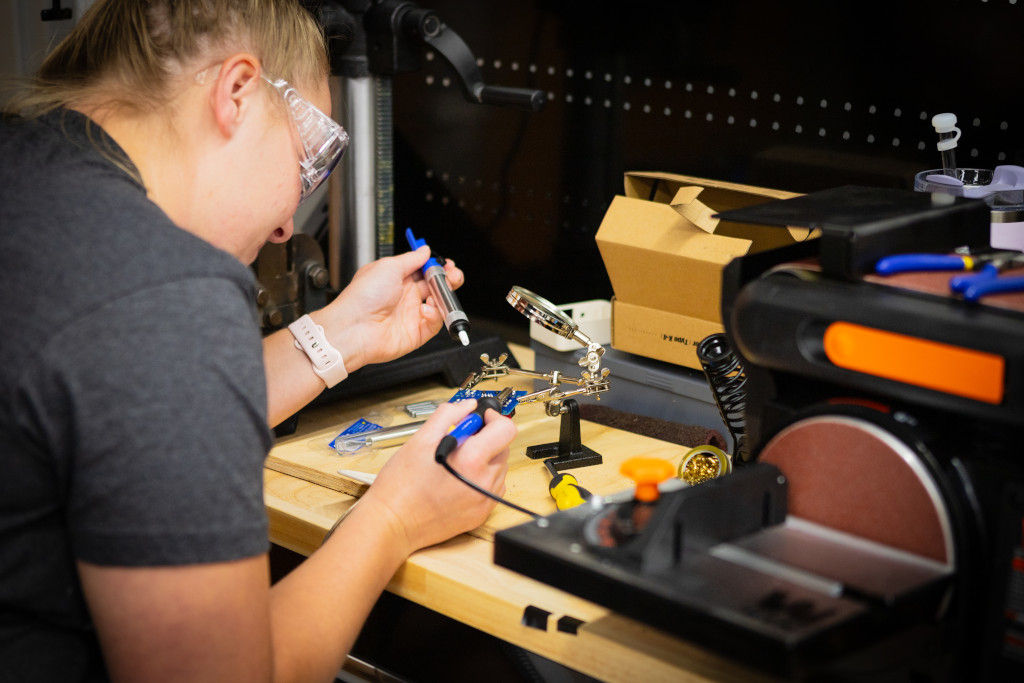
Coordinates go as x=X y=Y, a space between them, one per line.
x=791 y=95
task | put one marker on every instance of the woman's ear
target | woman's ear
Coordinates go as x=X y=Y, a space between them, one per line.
x=232 y=95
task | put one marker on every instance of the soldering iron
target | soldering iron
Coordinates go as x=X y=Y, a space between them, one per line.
x=455 y=319
x=468 y=426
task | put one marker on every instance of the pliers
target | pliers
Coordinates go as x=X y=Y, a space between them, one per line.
x=965 y=260
x=986 y=281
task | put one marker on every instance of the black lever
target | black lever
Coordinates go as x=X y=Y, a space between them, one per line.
x=56 y=12
x=451 y=46
x=389 y=19
x=515 y=97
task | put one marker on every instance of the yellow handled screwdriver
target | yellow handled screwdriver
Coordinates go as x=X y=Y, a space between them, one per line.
x=567 y=492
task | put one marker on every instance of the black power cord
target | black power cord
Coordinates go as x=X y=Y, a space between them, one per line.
x=470 y=425
x=467 y=482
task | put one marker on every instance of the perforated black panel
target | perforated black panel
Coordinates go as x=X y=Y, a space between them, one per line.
x=797 y=95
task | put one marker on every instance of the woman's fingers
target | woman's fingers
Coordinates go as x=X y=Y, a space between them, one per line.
x=443 y=419
x=485 y=454
x=411 y=261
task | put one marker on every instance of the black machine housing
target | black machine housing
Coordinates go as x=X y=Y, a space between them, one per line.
x=775 y=318
x=688 y=572
x=960 y=621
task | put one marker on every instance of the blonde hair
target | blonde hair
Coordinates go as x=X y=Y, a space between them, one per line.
x=128 y=53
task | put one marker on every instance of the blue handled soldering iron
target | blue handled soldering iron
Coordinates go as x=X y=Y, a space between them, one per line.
x=470 y=425
x=455 y=319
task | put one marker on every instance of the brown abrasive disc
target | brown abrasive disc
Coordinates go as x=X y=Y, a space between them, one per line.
x=854 y=476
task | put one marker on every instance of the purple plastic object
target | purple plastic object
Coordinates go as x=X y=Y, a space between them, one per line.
x=1011 y=176
x=1004 y=178
x=941 y=179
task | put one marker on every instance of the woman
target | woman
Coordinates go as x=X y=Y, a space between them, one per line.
x=163 y=143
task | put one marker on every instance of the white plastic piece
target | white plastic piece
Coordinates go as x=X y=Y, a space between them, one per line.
x=1007 y=236
x=946 y=123
x=593 y=317
x=327 y=361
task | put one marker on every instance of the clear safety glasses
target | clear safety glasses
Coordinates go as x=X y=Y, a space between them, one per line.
x=323 y=140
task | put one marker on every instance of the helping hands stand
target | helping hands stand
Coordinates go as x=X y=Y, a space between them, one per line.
x=568 y=452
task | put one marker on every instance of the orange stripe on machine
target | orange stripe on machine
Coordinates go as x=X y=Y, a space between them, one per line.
x=951 y=369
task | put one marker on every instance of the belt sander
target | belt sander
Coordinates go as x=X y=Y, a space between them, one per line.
x=876 y=524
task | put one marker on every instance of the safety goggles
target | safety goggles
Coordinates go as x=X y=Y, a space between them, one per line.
x=322 y=139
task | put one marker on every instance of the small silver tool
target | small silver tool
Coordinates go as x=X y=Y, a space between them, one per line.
x=388 y=436
x=421 y=408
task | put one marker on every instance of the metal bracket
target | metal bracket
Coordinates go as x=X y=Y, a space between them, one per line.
x=592 y=382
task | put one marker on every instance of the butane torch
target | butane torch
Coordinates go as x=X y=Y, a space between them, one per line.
x=455 y=319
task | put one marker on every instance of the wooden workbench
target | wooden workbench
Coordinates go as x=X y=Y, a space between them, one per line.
x=305 y=496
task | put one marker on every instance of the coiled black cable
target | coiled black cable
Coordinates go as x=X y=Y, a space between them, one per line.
x=728 y=379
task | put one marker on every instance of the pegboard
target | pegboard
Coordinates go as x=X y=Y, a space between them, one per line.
x=797 y=96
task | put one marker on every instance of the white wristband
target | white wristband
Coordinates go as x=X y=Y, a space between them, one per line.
x=327 y=361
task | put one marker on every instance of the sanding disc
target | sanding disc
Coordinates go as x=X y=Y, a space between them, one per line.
x=854 y=476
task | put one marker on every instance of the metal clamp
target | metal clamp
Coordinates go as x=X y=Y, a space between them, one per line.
x=593 y=379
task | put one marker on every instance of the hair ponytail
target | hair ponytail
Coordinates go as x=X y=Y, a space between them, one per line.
x=127 y=53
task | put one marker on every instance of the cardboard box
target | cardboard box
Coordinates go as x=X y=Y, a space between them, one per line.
x=657 y=334
x=664 y=254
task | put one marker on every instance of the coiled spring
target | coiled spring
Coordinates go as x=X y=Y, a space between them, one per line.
x=728 y=380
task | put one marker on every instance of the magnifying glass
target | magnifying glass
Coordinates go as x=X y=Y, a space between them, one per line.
x=546 y=314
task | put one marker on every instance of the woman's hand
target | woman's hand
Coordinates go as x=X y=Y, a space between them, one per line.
x=427 y=503
x=386 y=311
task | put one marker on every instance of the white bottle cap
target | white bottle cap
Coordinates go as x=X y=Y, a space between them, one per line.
x=944 y=123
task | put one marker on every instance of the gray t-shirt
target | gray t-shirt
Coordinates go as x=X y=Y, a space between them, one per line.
x=132 y=394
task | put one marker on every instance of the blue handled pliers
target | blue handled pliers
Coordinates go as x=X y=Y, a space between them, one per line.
x=987 y=281
x=966 y=260
x=973 y=287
